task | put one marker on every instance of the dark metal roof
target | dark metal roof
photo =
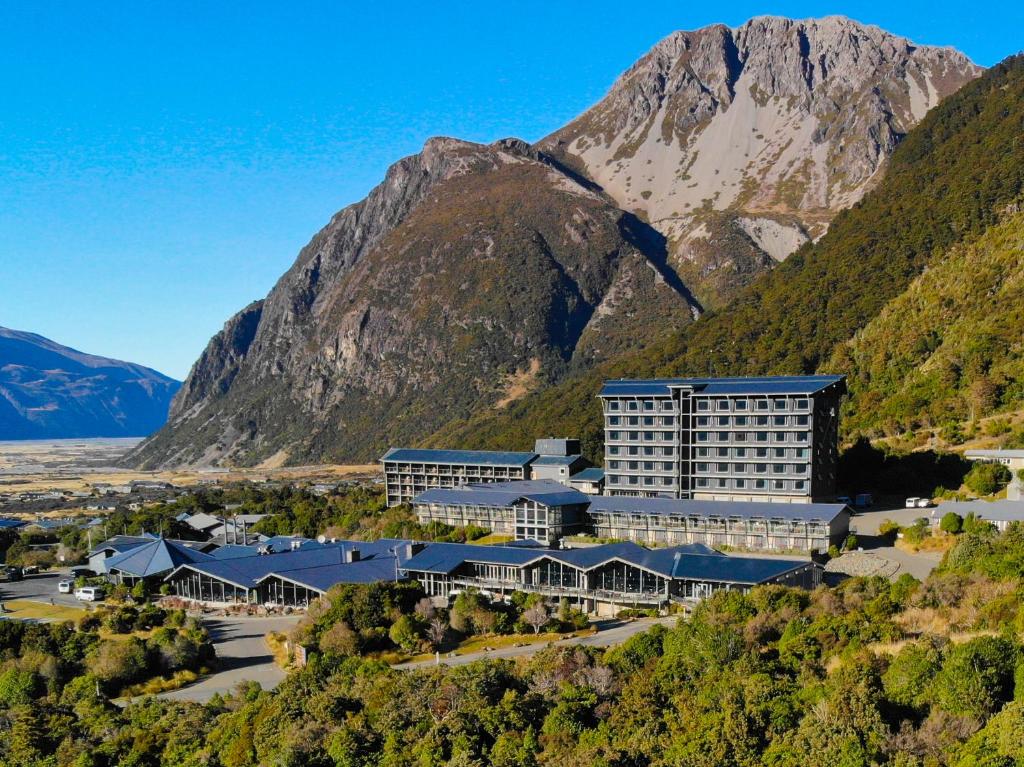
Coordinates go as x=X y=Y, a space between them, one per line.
x=469 y=457
x=154 y=558
x=557 y=460
x=7 y=523
x=322 y=578
x=689 y=562
x=625 y=504
x=725 y=386
x=594 y=474
x=545 y=491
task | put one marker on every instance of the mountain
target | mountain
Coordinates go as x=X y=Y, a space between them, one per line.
x=739 y=145
x=912 y=293
x=49 y=391
x=469 y=276
x=474 y=275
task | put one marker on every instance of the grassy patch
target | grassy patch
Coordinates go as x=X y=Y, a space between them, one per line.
x=25 y=609
x=492 y=539
x=160 y=684
x=498 y=642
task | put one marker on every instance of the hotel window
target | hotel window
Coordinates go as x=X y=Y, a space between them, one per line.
x=633 y=420
x=781 y=404
x=634 y=435
x=740 y=404
x=666 y=466
x=739 y=468
x=802 y=420
x=723 y=452
x=613 y=464
x=779 y=436
x=723 y=436
x=666 y=480
x=666 y=406
x=740 y=484
x=801 y=404
x=759 y=484
x=703 y=405
x=799 y=484
x=613 y=450
x=741 y=452
x=633 y=480
x=648 y=465
x=779 y=452
x=761 y=452
x=723 y=404
x=799 y=468
x=648 y=404
x=762 y=404
x=703 y=420
x=633 y=450
x=740 y=436
x=761 y=420
x=779 y=420
x=761 y=468
x=723 y=482
x=613 y=420
x=648 y=421
x=702 y=467
x=648 y=451
x=723 y=467
x=801 y=436
x=741 y=420
x=613 y=479
x=648 y=480
x=779 y=468
x=613 y=435
x=723 y=420
x=702 y=452
x=702 y=482
x=667 y=436
x=633 y=465
x=613 y=405
x=631 y=405
x=779 y=484
x=762 y=436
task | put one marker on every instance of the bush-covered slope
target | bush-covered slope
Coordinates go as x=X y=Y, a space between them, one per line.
x=948 y=183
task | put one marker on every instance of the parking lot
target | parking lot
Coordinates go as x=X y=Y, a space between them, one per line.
x=41 y=587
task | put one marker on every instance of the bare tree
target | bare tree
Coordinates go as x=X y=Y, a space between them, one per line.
x=536 y=616
x=425 y=609
x=437 y=630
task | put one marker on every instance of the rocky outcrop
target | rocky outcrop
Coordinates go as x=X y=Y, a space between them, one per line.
x=469 y=265
x=473 y=274
x=49 y=391
x=778 y=123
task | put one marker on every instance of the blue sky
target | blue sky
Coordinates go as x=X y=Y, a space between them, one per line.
x=162 y=163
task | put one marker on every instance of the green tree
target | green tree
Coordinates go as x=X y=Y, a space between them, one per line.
x=951 y=522
x=987 y=478
x=405 y=633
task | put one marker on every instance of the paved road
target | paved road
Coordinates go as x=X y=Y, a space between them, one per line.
x=242 y=656
x=611 y=633
x=39 y=588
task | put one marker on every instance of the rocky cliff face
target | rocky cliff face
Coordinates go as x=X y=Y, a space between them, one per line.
x=777 y=124
x=475 y=274
x=50 y=391
x=470 y=276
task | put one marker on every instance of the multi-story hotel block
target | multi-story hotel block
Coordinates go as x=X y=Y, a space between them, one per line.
x=729 y=439
x=409 y=472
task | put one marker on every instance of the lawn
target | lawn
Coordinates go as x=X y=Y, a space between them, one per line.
x=25 y=609
x=492 y=539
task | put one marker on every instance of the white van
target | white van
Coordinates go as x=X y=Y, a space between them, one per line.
x=89 y=593
x=911 y=502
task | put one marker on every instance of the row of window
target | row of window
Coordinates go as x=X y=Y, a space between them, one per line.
x=645 y=436
x=724 y=483
x=648 y=481
x=638 y=420
x=647 y=405
x=645 y=465
x=753 y=452
x=752 y=420
x=751 y=436
x=648 y=451
x=755 y=468
x=760 y=405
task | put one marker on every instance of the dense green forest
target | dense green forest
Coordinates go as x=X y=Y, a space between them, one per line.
x=953 y=178
x=872 y=672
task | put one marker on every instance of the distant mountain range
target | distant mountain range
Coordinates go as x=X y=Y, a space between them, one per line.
x=49 y=391
x=476 y=278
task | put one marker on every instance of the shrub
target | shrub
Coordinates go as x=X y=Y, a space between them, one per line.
x=405 y=633
x=987 y=478
x=119 y=662
x=951 y=522
x=888 y=529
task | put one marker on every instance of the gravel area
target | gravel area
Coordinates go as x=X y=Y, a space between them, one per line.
x=856 y=563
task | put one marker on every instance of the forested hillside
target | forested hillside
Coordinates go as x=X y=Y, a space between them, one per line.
x=949 y=182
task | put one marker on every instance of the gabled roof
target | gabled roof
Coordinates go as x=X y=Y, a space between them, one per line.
x=470 y=457
x=824 y=512
x=724 y=386
x=545 y=491
x=120 y=543
x=322 y=578
x=203 y=521
x=1002 y=510
x=154 y=558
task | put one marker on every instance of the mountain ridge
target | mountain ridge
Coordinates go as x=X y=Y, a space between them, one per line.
x=51 y=391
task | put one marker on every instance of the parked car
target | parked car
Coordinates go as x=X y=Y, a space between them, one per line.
x=13 y=573
x=89 y=593
x=912 y=502
x=924 y=503
x=863 y=500
x=30 y=569
x=66 y=587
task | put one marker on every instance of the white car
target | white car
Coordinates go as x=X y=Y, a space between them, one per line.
x=924 y=503
x=89 y=594
x=912 y=503
x=65 y=587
